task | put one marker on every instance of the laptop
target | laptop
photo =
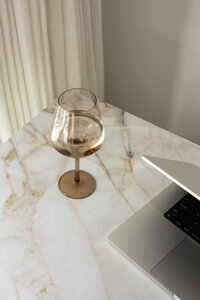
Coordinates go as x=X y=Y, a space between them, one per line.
x=163 y=237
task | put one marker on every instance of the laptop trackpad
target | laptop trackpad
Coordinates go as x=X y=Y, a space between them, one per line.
x=180 y=270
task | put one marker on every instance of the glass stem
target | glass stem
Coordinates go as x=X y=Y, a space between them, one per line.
x=77 y=175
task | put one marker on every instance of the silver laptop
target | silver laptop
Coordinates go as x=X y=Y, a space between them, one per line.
x=163 y=238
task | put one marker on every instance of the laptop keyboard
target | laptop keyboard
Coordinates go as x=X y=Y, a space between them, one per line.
x=186 y=215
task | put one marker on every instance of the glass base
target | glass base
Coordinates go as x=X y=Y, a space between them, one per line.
x=77 y=190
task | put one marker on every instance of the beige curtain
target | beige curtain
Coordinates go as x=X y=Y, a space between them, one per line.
x=45 y=48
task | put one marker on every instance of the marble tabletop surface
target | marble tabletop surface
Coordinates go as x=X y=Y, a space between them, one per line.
x=53 y=247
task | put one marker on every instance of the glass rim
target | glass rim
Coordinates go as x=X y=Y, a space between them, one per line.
x=84 y=89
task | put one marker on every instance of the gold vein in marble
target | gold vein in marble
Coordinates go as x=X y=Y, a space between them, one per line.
x=39 y=132
x=113 y=183
x=8 y=206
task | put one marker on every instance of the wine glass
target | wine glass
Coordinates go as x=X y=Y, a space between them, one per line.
x=77 y=132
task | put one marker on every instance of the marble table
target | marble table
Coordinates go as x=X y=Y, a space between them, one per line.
x=53 y=247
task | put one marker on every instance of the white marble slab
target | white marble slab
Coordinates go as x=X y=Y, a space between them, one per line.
x=53 y=247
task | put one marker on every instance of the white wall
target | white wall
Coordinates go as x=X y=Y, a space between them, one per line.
x=152 y=61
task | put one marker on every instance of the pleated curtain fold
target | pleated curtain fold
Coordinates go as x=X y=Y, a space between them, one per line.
x=45 y=48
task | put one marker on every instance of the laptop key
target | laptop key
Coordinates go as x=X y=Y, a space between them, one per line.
x=186 y=229
x=177 y=223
